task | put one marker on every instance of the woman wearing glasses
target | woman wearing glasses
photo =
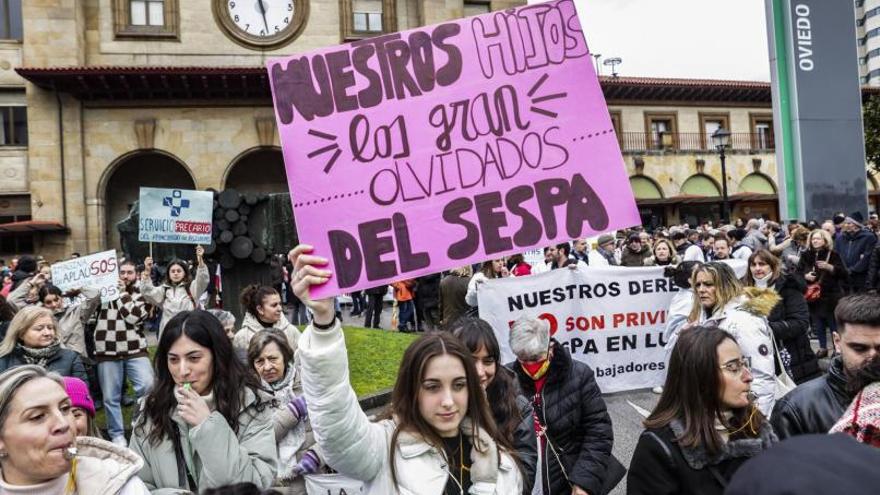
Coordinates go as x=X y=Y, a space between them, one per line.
x=706 y=424
x=720 y=301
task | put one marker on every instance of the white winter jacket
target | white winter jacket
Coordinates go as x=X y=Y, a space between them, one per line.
x=360 y=449
x=177 y=298
x=251 y=326
x=745 y=317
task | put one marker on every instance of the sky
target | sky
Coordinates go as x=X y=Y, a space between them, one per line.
x=700 y=39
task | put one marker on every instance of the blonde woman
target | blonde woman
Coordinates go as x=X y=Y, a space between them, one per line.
x=664 y=254
x=33 y=338
x=720 y=301
x=820 y=264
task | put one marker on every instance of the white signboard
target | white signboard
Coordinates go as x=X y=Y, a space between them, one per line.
x=180 y=216
x=611 y=318
x=97 y=270
x=332 y=484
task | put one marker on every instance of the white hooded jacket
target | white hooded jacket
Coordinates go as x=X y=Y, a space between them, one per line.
x=359 y=449
x=745 y=317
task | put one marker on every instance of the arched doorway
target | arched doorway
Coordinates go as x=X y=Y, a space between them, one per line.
x=647 y=192
x=757 y=183
x=698 y=212
x=260 y=170
x=128 y=175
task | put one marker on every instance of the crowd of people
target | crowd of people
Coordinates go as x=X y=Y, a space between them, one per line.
x=261 y=403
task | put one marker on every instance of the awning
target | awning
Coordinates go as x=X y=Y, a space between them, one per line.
x=32 y=226
x=694 y=199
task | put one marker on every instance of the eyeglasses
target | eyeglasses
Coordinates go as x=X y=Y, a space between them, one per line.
x=737 y=366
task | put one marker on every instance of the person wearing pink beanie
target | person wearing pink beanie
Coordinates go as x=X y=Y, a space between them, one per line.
x=83 y=407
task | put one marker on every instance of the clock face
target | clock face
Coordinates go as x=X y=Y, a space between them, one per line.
x=262 y=23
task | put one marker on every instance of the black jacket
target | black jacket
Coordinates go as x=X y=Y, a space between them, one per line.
x=855 y=249
x=873 y=280
x=660 y=466
x=576 y=424
x=831 y=282
x=790 y=322
x=813 y=407
x=428 y=290
x=526 y=444
x=65 y=362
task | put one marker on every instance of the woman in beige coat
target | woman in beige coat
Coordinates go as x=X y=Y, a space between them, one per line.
x=205 y=423
x=177 y=293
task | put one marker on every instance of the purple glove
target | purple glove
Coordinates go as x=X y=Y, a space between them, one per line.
x=309 y=464
x=297 y=406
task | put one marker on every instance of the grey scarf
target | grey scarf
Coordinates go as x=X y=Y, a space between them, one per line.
x=38 y=355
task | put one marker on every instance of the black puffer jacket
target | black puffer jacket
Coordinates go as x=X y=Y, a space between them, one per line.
x=813 y=407
x=831 y=283
x=577 y=424
x=65 y=362
x=660 y=466
x=526 y=444
x=790 y=322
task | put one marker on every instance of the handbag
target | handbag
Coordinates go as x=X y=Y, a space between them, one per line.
x=784 y=382
x=814 y=290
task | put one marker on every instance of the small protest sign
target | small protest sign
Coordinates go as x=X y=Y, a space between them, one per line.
x=97 y=270
x=612 y=318
x=413 y=152
x=178 y=216
x=332 y=484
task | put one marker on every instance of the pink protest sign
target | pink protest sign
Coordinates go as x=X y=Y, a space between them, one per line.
x=419 y=151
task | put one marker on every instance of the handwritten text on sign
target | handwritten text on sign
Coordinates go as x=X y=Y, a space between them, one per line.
x=97 y=270
x=175 y=216
x=413 y=152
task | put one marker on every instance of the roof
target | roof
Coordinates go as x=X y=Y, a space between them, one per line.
x=119 y=83
x=32 y=226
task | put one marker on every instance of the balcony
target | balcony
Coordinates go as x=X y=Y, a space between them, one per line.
x=693 y=142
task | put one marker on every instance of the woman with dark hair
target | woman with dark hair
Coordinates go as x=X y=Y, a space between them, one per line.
x=490 y=269
x=706 y=424
x=271 y=358
x=790 y=318
x=206 y=422
x=263 y=310
x=438 y=435
x=511 y=410
x=177 y=293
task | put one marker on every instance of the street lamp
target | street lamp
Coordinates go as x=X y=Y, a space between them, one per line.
x=721 y=140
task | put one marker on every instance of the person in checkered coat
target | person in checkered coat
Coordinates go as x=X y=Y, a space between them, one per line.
x=121 y=349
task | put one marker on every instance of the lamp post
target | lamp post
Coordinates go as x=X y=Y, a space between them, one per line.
x=721 y=140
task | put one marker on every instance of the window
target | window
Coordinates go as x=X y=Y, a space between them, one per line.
x=10 y=20
x=661 y=130
x=13 y=126
x=365 y=18
x=762 y=132
x=138 y=19
x=618 y=130
x=709 y=123
x=473 y=7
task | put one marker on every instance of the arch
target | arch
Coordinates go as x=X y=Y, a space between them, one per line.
x=701 y=185
x=120 y=185
x=259 y=169
x=645 y=187
x=757 y=182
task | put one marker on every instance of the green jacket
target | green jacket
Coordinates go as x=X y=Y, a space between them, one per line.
x=214 y=454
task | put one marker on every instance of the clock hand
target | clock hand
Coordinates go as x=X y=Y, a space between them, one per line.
x=263 y=12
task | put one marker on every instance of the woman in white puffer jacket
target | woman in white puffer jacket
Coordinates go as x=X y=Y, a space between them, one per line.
x=721 y=301
x=177 y=293
x=439 y=436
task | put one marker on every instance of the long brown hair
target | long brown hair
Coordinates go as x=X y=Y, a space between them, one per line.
x=692 y=393
x=404 y=408
x=767 y=257
x=727 y=287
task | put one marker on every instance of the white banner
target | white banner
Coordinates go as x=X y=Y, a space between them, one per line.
x=97 y=270
x=332 y=484
x=611 y=318
x=177 y=216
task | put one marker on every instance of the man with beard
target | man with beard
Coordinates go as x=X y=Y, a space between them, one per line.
x=815 y=406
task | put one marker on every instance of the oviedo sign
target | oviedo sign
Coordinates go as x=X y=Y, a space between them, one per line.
x=418 y=151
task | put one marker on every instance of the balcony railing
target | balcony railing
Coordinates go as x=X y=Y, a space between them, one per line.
x=693 y=142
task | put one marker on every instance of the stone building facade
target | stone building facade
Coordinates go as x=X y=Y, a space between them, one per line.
x=100 y=97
